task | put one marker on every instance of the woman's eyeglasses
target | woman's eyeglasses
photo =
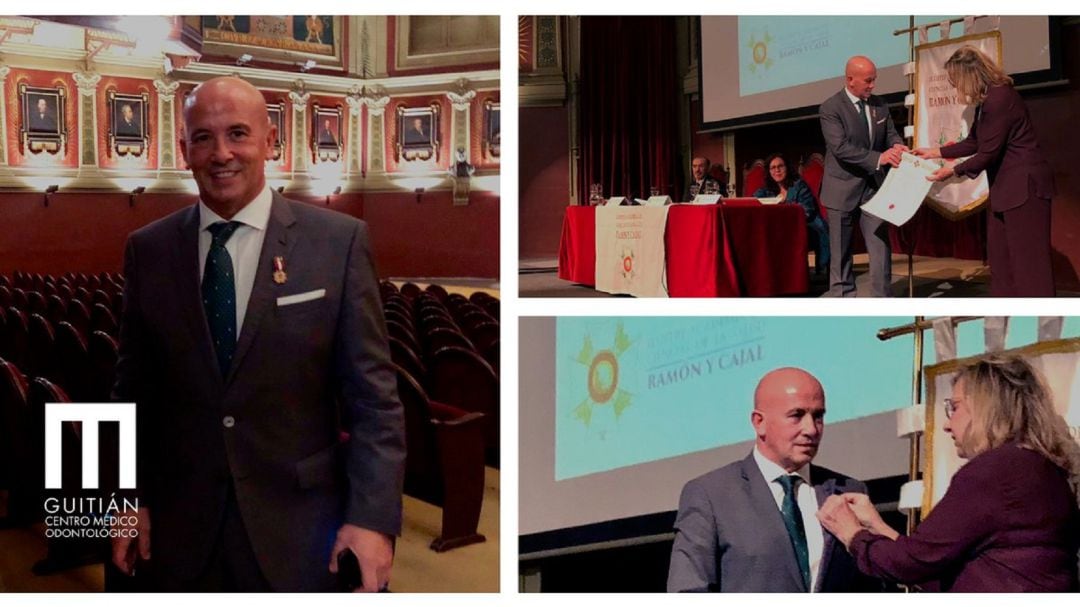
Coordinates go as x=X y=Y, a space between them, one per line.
x=950 y=406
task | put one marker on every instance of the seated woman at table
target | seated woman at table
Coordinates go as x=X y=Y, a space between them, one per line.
x=791 y=189
x=1009 y=520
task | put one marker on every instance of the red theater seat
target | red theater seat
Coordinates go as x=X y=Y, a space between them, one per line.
x=17 y=455
x=444 y=465
x=102 y=319
x=441 y=337
x=438 y=291
x=460 y=377
x=484 y=334
x=15 y=337
x=813 y=173
x=72 y=366
x=754 y=178
x=39 y=347
x=406 y=358
x=102 y=352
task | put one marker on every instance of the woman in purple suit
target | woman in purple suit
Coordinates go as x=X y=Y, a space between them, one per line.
x=1009 y=521
x=1003 y=143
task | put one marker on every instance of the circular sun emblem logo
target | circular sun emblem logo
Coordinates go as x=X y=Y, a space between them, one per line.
x=603 y=377
x=628 y=264
x=761 y=52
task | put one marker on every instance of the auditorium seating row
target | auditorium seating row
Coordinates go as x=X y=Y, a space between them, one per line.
x=448 y=445
x=448 y=342
x=22 y=465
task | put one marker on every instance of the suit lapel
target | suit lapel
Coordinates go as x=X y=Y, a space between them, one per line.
x=186 y=271
x=770 y=520
x=278 y=242
x=823 y=491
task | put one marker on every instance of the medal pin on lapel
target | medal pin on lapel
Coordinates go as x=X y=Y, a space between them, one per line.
x=279 y=270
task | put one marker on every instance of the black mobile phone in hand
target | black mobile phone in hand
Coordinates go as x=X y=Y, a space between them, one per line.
x=348 y=573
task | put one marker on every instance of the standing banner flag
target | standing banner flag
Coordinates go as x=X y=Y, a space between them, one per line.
x=630 y=250
x=942 y=118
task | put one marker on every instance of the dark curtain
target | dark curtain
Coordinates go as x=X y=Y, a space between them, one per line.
x=629 y=105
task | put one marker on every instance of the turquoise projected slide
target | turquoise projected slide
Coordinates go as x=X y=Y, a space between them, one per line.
x=639 y=389
x=780 y=52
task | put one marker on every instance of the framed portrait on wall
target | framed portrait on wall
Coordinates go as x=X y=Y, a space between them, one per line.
x=43 y=127
x=326 y=132
x=276 y=112
x=492 y=129
x=418 y=133
x=129 y=130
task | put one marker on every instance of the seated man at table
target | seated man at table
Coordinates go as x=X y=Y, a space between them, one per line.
x=701 y=183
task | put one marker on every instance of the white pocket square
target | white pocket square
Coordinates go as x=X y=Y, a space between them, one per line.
x=289 y=300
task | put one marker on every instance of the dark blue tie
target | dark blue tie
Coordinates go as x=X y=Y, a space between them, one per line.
x=219 y=294
x=794 y=523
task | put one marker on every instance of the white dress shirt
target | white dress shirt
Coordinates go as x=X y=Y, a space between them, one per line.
x=869 y=119
x=244 y=246
x=808 y=507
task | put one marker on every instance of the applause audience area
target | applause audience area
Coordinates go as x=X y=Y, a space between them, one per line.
x=58 y=343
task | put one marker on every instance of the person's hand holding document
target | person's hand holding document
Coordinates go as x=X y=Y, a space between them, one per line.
x=945 y=172
x=893 y=155
x=903 y=192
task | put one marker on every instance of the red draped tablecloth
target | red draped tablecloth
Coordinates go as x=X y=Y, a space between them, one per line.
x=577 y=246
x=740 y=248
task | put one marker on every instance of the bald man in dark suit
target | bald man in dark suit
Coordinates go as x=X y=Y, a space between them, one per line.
x=252 y=335
x=861 y=142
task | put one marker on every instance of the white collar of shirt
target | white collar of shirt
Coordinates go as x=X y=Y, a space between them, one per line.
x=771 y=470
x=806 y=497
x=855 y=100
x=255 y=214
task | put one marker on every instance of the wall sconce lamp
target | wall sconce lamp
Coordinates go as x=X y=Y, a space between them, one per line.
x=308 y=65
x=134 y=193
x=336 y=191
x=244 y=59
x=50 y=191
x=419 y=193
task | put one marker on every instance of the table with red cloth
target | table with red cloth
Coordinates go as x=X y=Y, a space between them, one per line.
x=738 y=248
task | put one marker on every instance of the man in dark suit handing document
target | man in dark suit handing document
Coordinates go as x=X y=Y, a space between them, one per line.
x=252 y=336
x=860 y=141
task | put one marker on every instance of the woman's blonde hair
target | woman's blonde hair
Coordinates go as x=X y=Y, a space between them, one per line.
x=1010 y=402
x=972 y=73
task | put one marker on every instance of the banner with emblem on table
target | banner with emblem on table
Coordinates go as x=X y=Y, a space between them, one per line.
x=942 y=118
x=630 y=255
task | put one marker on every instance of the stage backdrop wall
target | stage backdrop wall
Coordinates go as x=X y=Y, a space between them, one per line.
x=543 y=179
x=86 y=232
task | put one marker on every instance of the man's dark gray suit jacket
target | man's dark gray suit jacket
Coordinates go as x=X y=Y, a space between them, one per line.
x=730 y=536
x=301 y=374
x=851 y=154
